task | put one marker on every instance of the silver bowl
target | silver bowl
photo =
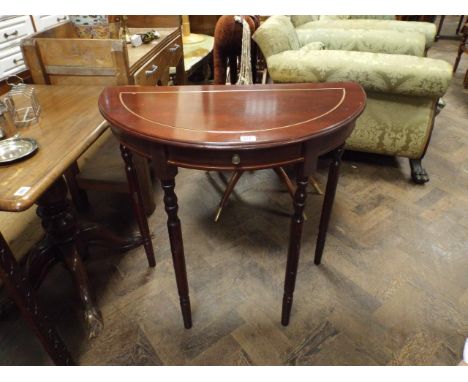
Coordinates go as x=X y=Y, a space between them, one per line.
x=13 y=149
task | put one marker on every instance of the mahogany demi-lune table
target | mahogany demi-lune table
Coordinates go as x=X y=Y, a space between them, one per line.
x=217 y=127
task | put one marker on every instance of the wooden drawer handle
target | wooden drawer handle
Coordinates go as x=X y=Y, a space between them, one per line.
x=174 y=48
x=153 y=70
x=16 y=61
x=61 y=18
x=15 y=33
x=235 y=159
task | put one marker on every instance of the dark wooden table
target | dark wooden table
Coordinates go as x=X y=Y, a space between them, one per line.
x=69 y=124
x=234 y=128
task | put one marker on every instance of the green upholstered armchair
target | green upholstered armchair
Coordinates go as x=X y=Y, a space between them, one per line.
x=402 y=89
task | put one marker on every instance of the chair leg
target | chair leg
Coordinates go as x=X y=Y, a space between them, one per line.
x=460 y=23
x=459 y=54
x=78 y=195
x=145 y=183
x=285 y=179
x=418 y=174
x=230 y=186
x=441 y=22
x=315 y=184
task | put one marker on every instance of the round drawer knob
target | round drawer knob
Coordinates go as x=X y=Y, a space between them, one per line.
x=235 y=159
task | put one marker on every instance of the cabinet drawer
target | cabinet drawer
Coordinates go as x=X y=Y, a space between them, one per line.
x=152 y=72
x=11 y=62
x=174 y=52
x=46 y=21
x=13 y=30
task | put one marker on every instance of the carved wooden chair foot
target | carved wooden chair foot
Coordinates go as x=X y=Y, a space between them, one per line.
x=418 y=174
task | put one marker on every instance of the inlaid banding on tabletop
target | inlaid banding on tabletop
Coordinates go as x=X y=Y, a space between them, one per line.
x=240 y=116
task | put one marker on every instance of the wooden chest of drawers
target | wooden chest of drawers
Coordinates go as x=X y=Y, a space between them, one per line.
x=12 y=30
x=58 y=56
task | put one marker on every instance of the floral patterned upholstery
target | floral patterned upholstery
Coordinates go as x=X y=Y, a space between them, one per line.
x=427 y=29
x=384 y=73
x=357 y=17
x=402 y=90
x=302 y=19
x=365 y=40
x=280 y=33
x=394 y=124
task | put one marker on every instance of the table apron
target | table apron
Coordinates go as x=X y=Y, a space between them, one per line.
x=231 y=159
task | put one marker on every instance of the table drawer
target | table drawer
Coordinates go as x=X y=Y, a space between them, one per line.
x=232 y=159
x=13 y=30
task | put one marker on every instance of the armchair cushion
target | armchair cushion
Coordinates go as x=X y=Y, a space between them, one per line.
x=302 y=19
x=356 y=17
x=385 y=73
x=428 y=29
x=365 y=40
x=315 y=45
x=276 y=35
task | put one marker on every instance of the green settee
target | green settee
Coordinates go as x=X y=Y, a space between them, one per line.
x=402 y=86
x=309 y=24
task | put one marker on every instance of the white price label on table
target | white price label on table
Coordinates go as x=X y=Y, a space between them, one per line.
x=248 y=138
x=22 y=191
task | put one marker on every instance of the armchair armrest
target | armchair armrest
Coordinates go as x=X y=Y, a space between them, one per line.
x=384 y=73
x=365 y=40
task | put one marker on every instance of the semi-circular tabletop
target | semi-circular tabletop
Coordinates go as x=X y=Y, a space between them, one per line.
x=218 y=116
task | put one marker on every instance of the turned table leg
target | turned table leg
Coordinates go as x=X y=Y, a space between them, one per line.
x=297 y=221
x=61 y=232
x=137 y=202
x=19 y=290
x=177 y=249
x=330 y=191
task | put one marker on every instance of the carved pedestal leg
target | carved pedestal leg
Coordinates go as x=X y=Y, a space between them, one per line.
x=92 y=315
x=294 y=247
x=177 y=249
x=40 y=260
x=330 y=191
x=78 y=195
x=61 y=230
x=137 y=202
x=418 y=174
x=21 y=293
x=91 y=234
